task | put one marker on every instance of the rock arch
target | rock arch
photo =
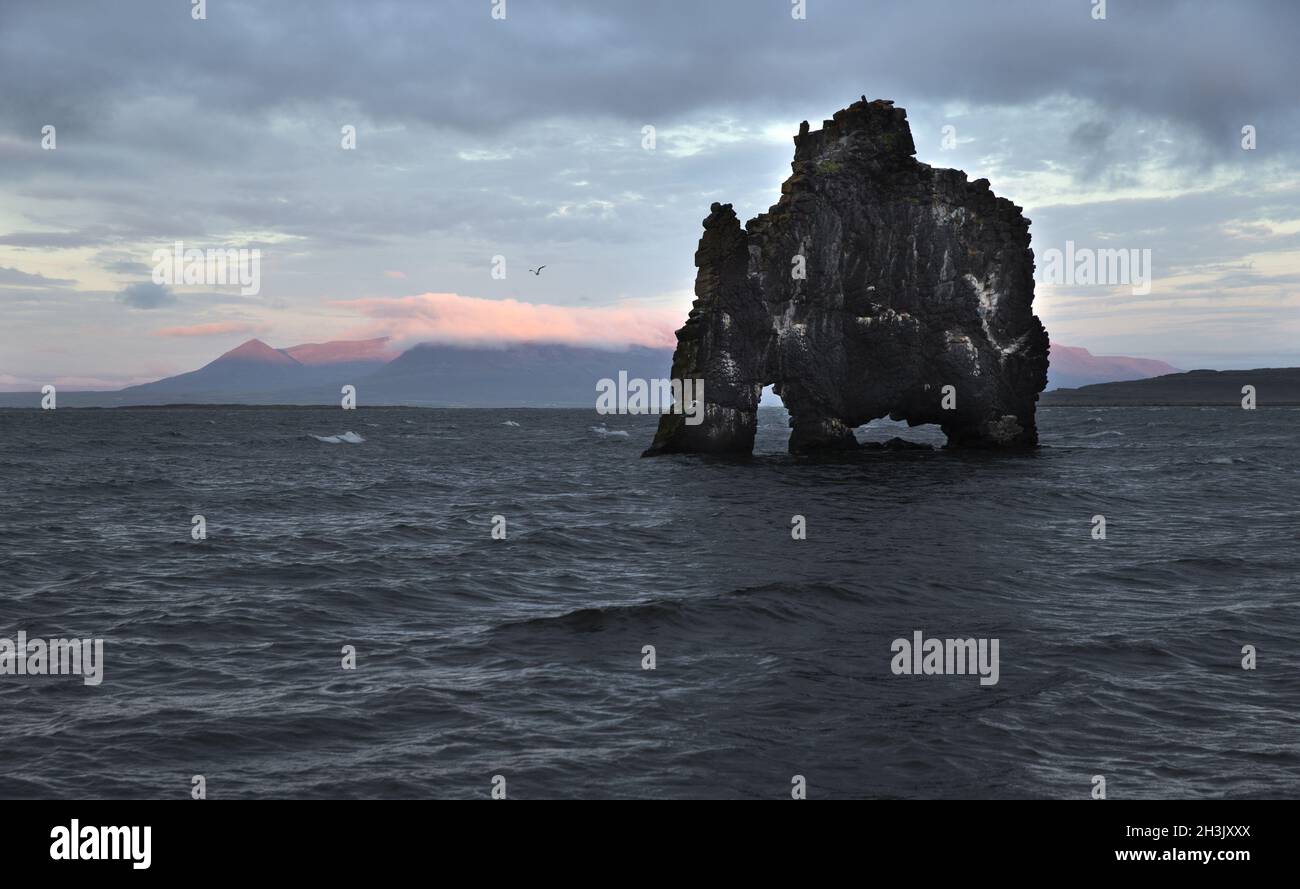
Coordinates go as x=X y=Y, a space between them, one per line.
x=914 y=279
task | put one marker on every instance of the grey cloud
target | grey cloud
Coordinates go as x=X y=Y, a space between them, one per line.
x=1244 y=279
x=146 y=295
x=183 y=120
x=1090 y=139
x=11 y=277
x=53 y=240
x=1186 y=232
x=122 y=263
x=452 y=65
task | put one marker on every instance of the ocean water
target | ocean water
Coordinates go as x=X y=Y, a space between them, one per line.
x=523 y=657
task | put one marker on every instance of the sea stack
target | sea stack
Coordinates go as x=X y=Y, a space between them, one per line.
x=876 y=286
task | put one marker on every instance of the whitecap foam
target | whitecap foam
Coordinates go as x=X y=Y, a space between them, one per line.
x=608 y=433
x=349 y=437
x=509 y=423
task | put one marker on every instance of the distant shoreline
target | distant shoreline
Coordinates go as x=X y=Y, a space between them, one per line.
x=1234 y=405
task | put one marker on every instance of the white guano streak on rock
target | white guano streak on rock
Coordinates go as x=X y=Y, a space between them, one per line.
x=989 y=296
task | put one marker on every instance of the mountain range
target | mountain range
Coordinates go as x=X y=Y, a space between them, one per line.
x=442 y=375
x=428 y=375
x=1073 y=366
x=255 y=368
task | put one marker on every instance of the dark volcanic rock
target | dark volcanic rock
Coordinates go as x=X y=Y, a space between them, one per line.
x=915 y=280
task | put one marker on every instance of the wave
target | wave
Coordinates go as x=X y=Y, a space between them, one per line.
x=608 y=433
x=509 y=423
x=349 y=437
x=782 y=602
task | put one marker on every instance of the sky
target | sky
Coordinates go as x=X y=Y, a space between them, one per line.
x=479 y=137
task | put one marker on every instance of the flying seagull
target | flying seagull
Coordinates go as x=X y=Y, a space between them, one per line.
x=538 y=270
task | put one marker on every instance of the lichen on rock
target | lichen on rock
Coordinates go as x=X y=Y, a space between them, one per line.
x=876 y=286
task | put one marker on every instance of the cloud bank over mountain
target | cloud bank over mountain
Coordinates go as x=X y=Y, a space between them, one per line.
x=452 y=318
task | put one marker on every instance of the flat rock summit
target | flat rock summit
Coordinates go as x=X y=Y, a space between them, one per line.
x=876 y=286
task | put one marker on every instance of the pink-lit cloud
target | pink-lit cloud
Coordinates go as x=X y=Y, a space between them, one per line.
x=215 y=328
x=468 y=320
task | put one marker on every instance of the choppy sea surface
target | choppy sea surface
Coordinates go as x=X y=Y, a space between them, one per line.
x=523 y=657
